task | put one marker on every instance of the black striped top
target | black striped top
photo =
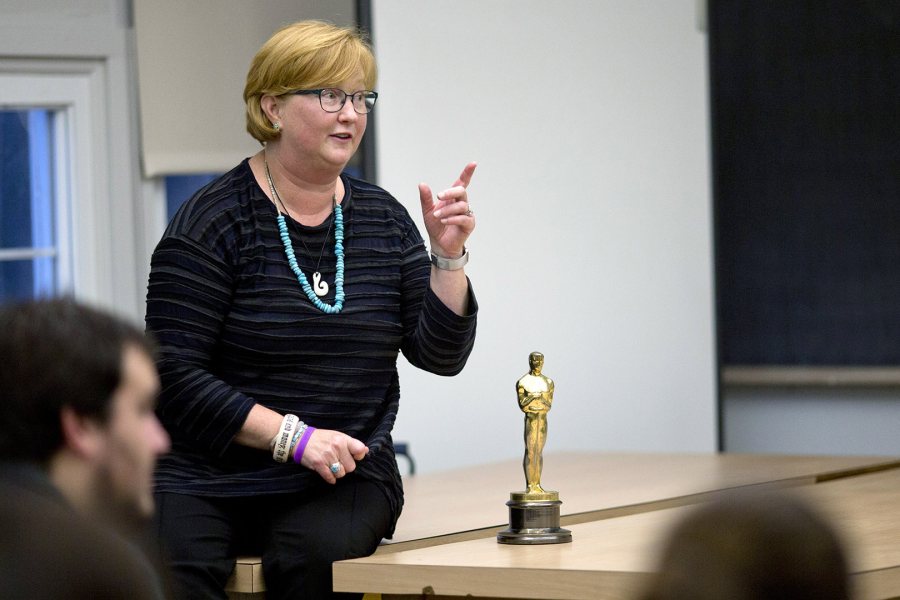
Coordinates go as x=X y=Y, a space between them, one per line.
x=235 y=329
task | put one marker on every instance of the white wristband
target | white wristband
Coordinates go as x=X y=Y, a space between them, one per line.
x=282 y=441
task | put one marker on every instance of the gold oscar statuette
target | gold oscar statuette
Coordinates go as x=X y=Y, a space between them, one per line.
x=534 y=513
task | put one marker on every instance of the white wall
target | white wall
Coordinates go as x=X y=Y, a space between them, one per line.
x=589 y=120
x=593 y=246
x=812 y=420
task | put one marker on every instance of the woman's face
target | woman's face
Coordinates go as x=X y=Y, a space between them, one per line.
x=316 y=138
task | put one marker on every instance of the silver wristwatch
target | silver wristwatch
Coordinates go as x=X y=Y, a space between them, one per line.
x=450 y=264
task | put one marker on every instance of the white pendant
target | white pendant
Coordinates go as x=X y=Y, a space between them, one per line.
x=319 y=286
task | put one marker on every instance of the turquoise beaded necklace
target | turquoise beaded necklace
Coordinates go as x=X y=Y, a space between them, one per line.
x=321 y=286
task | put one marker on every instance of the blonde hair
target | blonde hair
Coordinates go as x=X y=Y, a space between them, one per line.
x=304 y=55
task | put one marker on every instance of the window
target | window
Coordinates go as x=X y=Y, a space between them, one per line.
x=34 y=259
x=181 y=187
x=84 y=80
x=59 y=184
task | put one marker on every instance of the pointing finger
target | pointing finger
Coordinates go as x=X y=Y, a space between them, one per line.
x=465 y=178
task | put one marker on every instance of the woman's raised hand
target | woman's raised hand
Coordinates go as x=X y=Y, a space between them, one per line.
x=449 y=218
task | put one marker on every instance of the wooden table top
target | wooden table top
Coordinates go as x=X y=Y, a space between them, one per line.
x=866 y=512
x=468 y=503
x=611 y=554
x=606 y=559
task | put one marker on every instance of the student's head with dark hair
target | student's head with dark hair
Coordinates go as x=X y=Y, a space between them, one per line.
x=753 y=546
x=56 y=353
x=77 y=396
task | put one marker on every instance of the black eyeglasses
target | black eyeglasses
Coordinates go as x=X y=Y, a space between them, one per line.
x=332 y=99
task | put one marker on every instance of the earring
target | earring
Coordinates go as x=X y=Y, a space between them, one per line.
x=276 y=126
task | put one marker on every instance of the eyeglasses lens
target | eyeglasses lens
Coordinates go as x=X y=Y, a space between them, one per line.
x=333 y=100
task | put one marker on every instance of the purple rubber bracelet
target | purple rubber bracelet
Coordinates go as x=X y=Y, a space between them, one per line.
x=301 y=446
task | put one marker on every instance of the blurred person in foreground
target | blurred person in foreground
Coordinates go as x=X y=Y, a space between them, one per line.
x=282 y=294
x=752 y=546
x=78 y=443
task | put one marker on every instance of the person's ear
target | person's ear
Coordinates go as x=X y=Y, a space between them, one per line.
x=271 y=108
x=82 y=435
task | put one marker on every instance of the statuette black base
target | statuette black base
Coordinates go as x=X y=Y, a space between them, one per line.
x=533 y=522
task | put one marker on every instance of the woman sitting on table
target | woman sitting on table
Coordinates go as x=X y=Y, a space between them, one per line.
x=281 y=295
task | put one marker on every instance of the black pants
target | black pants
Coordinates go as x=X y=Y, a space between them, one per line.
x=298 y=536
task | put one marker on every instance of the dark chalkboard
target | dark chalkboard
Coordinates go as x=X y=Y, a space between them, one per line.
x=805 y=98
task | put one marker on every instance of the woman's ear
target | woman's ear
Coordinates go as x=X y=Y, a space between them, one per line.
x=271 y=108
x=81 y=435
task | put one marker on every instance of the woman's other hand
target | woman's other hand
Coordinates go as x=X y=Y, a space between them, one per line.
x=326 y=448
x=449 y=218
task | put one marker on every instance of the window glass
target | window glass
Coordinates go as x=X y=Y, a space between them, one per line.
x=28 y=250
x=24 y=279
x=181 y=187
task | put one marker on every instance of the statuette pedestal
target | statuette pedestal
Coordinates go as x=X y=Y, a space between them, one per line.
x=534 y=519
